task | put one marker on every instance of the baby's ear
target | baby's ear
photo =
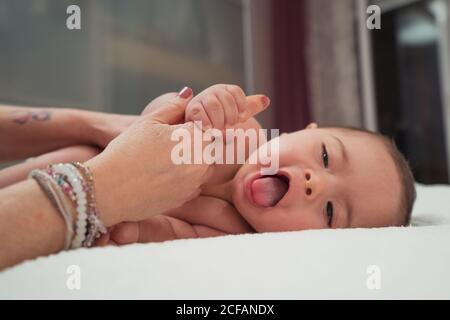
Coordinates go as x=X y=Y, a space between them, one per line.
x=312 y=125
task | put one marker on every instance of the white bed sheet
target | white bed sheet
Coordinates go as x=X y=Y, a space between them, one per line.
x=414 y=262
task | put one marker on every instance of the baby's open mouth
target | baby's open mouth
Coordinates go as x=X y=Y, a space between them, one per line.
x=267 y=191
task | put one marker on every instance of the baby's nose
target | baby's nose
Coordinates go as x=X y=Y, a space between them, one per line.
x=307 y=179
x=312 y=184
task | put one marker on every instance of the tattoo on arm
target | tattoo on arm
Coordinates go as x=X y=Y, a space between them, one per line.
x=22 y=117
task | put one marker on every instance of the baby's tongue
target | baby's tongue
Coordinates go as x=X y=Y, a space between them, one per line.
x=267 y=191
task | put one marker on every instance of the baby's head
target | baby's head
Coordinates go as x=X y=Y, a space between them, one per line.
x=328 y=177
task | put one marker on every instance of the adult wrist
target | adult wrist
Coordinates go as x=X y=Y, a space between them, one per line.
x=89 y=126
x=105 y=191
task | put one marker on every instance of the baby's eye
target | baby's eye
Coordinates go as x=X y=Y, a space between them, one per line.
x=325 y=156
x=329 y=211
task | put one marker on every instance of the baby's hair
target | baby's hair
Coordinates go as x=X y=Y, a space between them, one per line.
x=407 y=182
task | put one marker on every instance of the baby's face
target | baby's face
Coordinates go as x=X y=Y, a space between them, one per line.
x=327 y=178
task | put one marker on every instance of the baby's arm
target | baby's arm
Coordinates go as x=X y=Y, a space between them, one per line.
x=157 y=229
x=201 y=217
x=226 y=107
x=20 y=171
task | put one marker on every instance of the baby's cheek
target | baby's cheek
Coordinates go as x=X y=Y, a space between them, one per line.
x=284 y=220
x=288 y=219
x=298 y=152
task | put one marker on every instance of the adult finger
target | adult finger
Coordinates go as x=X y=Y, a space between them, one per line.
x=172 y=112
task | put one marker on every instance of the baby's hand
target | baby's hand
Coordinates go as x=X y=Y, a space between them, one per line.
x=222 y=106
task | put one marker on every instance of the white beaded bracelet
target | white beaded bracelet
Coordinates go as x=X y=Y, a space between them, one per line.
x=76 y=182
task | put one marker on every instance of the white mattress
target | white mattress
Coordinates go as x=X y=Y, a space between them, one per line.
x=413 y=262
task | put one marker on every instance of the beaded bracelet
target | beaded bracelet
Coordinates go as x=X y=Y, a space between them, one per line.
x=96 y=227
x=78 y=186
x=73 y=182
x=64 y=184
x=56 y=197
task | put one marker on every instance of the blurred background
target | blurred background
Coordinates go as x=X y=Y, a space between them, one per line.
x=316 y=59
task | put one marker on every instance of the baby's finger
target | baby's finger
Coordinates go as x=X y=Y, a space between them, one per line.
x=238 y=95
x=254 y=105
x=229 y=107
x=196 y=112
x=125 y=233
x=215 y=111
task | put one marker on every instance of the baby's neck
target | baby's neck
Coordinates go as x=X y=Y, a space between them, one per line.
x=222 y=191
x=220 y=184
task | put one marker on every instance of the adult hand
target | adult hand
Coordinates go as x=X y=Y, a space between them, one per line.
x=135 y=177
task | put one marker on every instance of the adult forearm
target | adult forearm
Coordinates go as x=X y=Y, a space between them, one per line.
x=29 y=225
x=26 y=132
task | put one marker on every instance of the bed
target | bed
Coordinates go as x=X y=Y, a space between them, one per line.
x=383 y=263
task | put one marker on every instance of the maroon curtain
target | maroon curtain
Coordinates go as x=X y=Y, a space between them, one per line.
x=291 y=111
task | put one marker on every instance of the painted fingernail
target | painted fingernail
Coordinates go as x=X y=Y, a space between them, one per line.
x=265 y=101
x=185 y=93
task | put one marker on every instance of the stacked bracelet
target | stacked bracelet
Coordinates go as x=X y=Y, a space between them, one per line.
x=73 y=178
x=72 y=185
x=55 y=195
x=96 y=227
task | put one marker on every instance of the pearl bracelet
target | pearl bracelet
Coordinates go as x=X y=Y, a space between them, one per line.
x=76 y=182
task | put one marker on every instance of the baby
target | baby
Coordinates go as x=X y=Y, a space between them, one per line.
x=328 y=178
